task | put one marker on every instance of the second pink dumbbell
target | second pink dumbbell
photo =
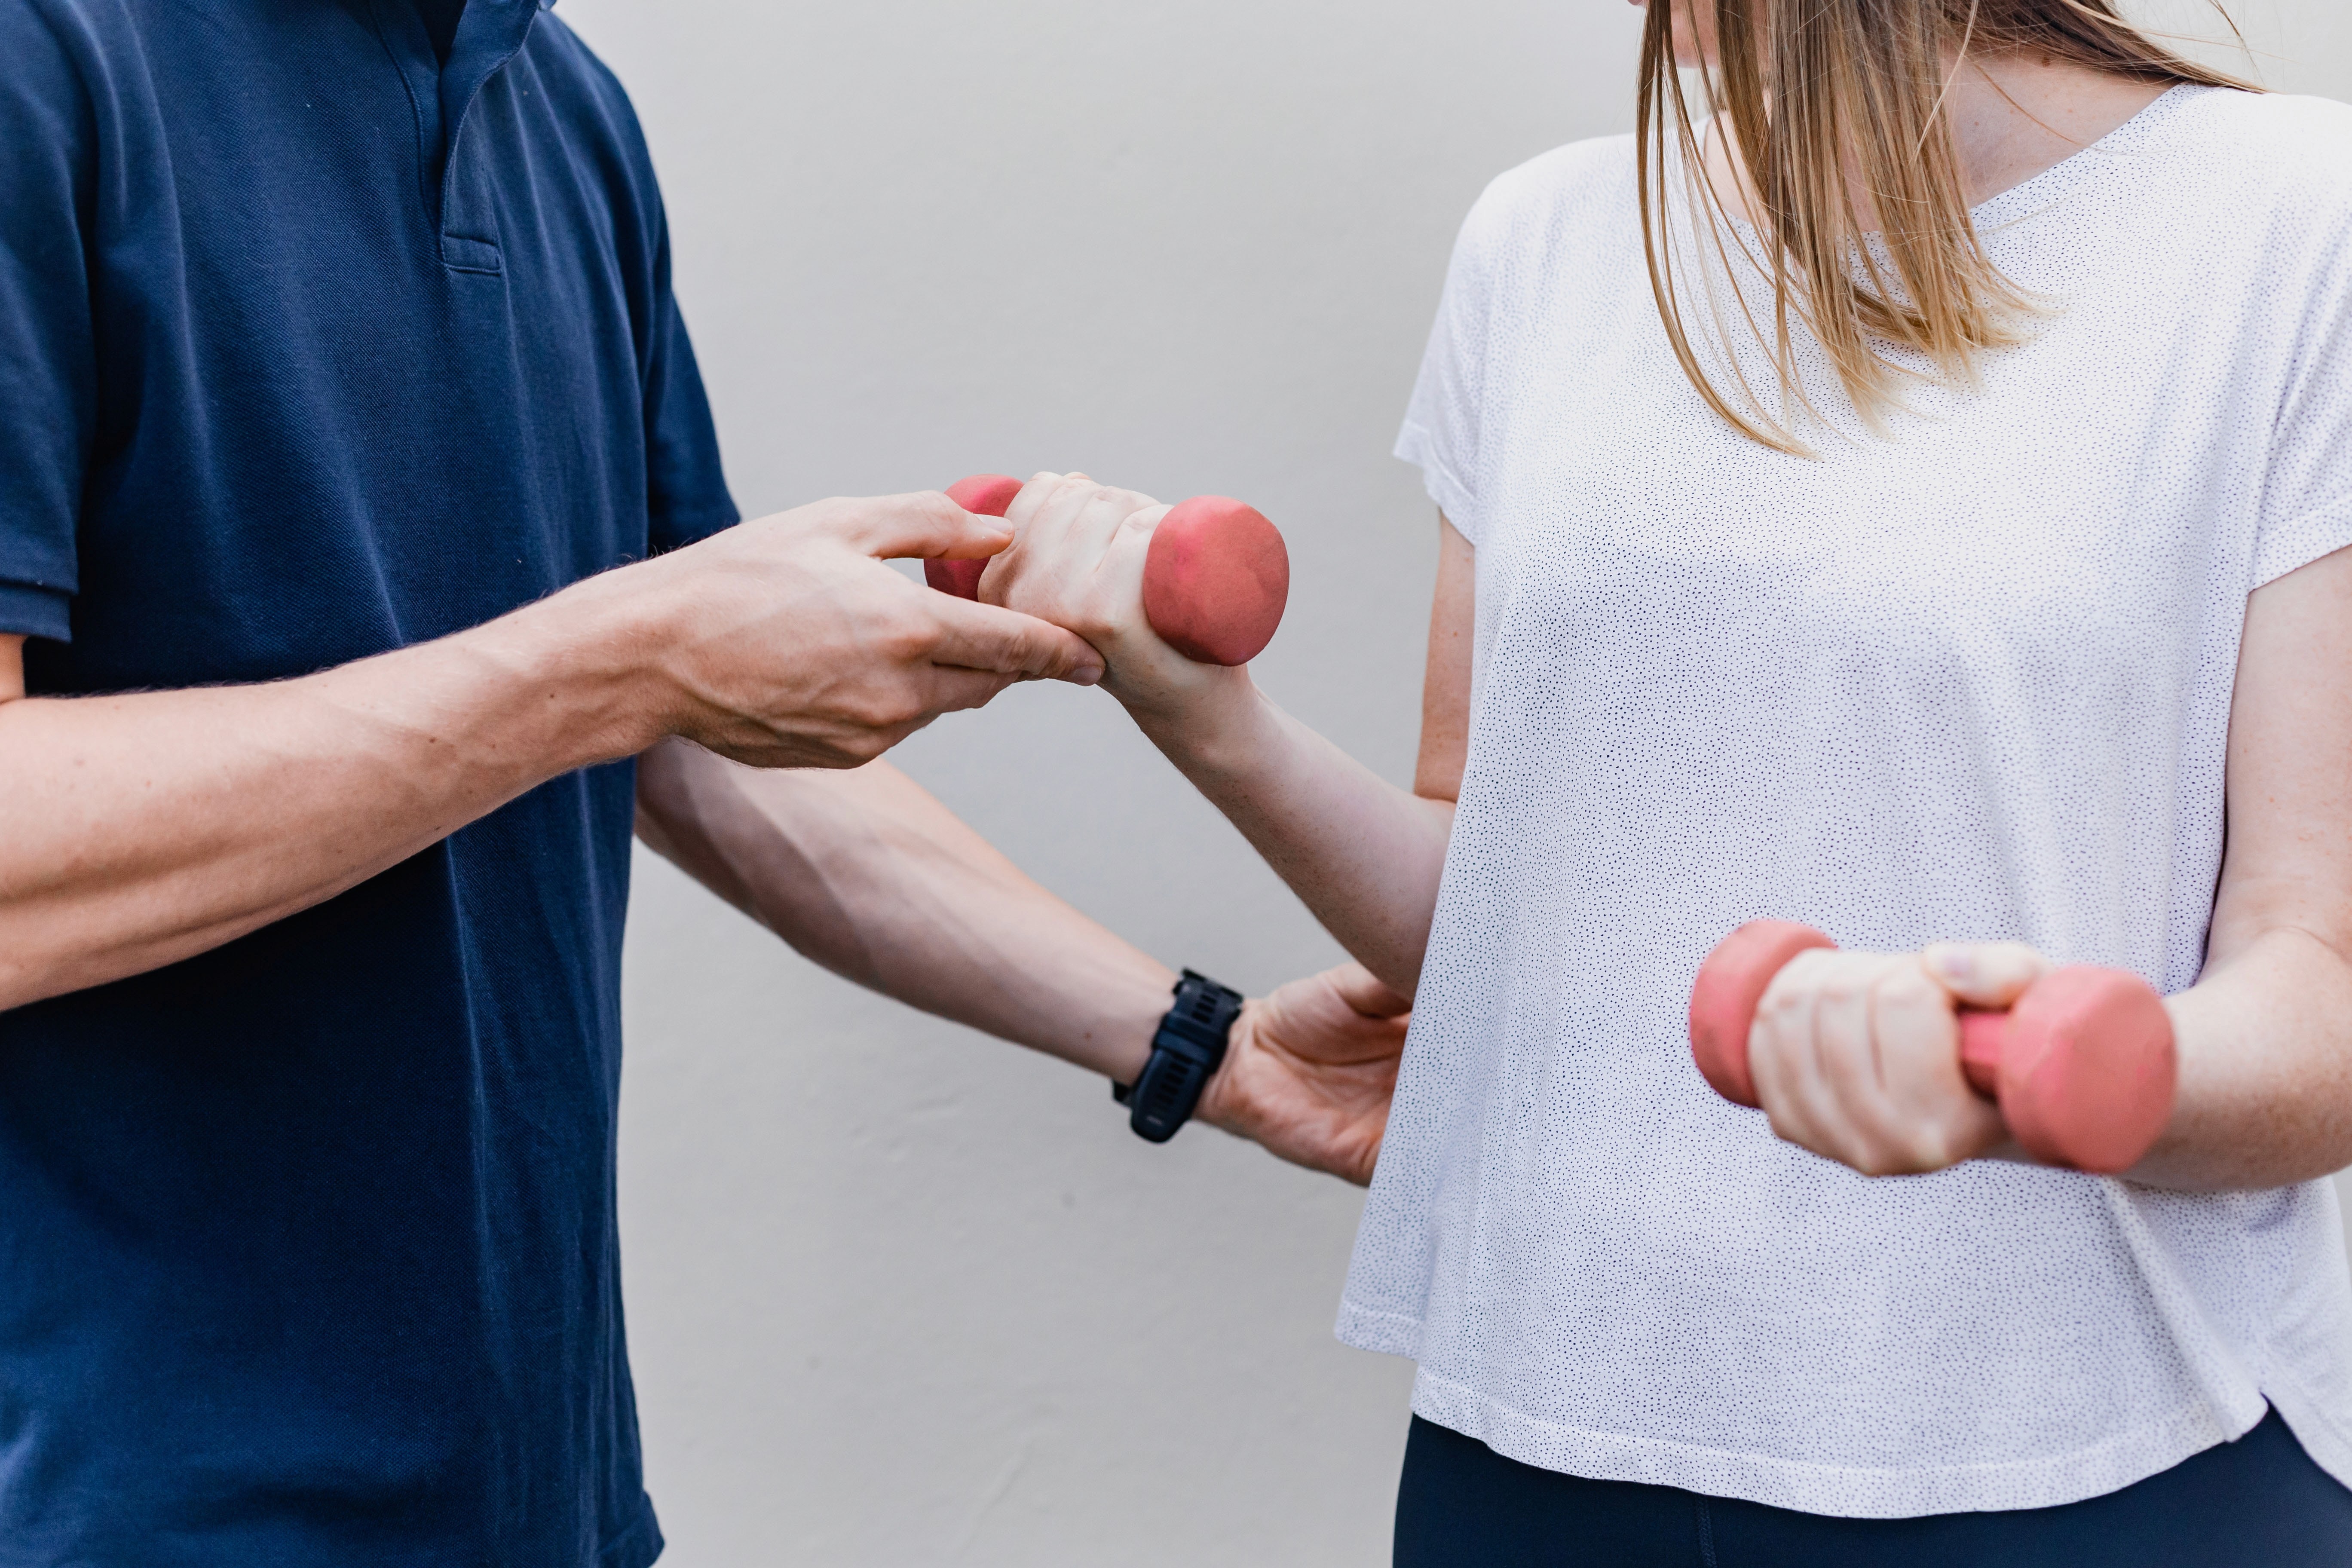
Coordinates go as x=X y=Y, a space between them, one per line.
x=2084 y=1066
x=1215 y=580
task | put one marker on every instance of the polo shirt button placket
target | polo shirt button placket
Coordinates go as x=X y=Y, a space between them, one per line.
x=491 y=34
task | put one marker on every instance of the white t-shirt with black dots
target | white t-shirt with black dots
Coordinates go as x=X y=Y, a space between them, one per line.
x=1969 y=681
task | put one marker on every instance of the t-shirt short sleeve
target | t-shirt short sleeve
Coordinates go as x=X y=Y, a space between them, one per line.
x=49 y=361
x=2308 y=495
x=686 y=497
x=1441 y=425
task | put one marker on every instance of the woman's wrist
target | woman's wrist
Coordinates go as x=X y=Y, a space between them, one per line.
x=1217 y=728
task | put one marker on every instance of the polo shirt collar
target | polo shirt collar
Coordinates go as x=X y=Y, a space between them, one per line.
x=490 y=34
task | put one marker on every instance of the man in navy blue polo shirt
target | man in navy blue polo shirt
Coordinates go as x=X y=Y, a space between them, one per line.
x=362 y=525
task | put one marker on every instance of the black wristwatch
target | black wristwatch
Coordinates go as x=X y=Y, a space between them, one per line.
x=1185 y=1055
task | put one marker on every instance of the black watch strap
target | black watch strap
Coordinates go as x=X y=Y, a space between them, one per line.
x=1185 y=1055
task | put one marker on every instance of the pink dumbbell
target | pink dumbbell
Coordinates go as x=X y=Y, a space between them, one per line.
x=1214 y=581
x=2083 y=1065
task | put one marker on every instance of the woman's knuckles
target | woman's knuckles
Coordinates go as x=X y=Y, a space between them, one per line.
x=1844 y=985
x=1907 y=986
x=1787 y=1007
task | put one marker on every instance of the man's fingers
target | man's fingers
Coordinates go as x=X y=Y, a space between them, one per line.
x=986 y=637
x=925 y=525
x=1985 y=973
x=953 y=691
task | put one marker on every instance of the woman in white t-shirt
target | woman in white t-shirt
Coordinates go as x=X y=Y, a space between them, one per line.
x=1932 y=566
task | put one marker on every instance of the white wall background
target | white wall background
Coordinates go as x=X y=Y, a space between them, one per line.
x=900 y=1295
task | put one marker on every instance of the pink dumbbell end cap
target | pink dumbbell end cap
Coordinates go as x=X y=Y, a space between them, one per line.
x=982 y=495
x=2089 y=1069
x=1731 y=987
x=1216 y=580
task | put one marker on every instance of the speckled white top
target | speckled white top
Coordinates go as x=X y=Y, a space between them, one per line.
x=1971 y=681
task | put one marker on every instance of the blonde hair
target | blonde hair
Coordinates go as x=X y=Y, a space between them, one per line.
x=1811 y=93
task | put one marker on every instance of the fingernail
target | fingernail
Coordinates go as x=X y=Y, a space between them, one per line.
x=1091 y=675
x=1952 y=962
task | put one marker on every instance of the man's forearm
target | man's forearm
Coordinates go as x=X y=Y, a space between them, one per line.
x=868 y=875
x=143 y=829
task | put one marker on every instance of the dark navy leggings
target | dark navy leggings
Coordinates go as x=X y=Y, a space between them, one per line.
x=2259 y=1502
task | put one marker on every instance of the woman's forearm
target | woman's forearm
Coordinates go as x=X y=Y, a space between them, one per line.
x=1364 y=855
x=866 y=874
x=2265 y=1095
x=2266 y=1032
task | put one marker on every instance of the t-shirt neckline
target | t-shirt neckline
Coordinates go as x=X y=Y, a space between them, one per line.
x=2086 y=160
x=2074 y=166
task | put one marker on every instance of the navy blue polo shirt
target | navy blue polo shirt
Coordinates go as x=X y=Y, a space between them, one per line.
x=312 y=346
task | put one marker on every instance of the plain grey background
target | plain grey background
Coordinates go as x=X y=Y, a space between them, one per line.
x=899 y=1294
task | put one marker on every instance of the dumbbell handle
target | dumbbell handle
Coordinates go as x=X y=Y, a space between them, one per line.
x=1982 y=1032
x=1215 y=579
x=2084 y=1066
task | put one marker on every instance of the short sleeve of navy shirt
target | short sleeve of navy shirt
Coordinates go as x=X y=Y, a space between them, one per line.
x=312 y=347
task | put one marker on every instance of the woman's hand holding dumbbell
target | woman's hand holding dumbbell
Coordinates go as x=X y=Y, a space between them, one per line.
x=1171 y=598
x=1891 y=1063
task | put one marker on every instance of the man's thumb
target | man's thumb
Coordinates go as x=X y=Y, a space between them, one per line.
x=1367 y=994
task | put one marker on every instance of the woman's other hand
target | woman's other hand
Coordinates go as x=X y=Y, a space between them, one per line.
x=1856 y=1055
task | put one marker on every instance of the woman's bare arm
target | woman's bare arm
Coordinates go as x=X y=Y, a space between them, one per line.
x=1853 y=1054
x=2266 y=1032
x=1364 y=855
x=1445 y=677
x=2265 y=1035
